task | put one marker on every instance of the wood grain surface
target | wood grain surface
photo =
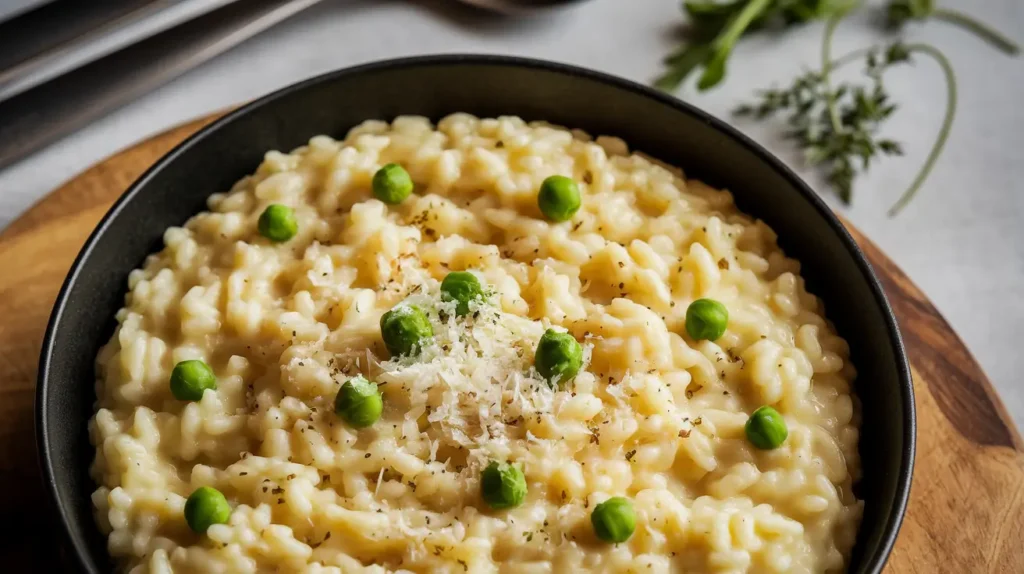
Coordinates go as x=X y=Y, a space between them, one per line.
x=966 y=511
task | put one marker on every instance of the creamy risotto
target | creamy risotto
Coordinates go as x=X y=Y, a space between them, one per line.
x=653 y=417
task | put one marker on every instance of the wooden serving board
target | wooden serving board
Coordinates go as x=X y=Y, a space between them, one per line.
x=966 y=512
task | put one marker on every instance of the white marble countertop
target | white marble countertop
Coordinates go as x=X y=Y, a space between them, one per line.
x=961 y=241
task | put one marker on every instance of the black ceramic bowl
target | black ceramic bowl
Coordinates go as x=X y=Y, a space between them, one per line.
x=212 y=160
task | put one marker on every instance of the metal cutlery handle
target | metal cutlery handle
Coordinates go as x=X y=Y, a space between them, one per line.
x=138 y=23
x=52 y=110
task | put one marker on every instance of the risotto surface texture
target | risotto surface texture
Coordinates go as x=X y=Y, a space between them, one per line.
x=652 y=416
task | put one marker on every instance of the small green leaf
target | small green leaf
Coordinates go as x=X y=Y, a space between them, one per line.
x=682 y=65
x=713 y=74
x=899 y=12
x=897 y=53
x=890 y=147
x=714 y=68
x=707 y=12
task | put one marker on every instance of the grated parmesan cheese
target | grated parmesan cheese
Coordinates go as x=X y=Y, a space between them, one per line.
x=474 y=379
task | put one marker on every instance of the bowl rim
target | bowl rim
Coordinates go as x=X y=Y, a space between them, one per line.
x=875 y=562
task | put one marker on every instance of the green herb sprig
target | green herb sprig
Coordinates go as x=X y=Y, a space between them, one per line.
x=716 y=26
x=837 y=127
x=852 y=142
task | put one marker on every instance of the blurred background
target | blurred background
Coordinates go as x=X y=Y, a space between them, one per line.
x=961 y=240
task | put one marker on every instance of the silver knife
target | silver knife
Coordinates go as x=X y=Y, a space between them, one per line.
x=50 y=111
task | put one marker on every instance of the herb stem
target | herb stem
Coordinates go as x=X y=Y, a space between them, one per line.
x=714 y=68
x=826 y=68
x=982 y=30
x=849 y=57
x=947 y=124
x=737 y=26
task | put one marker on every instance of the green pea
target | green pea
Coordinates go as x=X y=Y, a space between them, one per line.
x=405 y=329
x=461 y=287
x=766 y=429
x=706 y=319
x=277 y=223
x=359 y=402
x=614 y=520
x=502 y=485
x=205 y=507
x=559 y=198
x=558 y=357
x=190 y=378
x=392 y=184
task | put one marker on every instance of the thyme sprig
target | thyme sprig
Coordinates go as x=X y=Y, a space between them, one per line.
x=836 y=127
x=851 y=142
